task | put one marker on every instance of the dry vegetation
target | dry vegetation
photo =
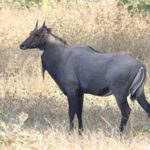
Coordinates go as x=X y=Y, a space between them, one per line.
x=33 y=112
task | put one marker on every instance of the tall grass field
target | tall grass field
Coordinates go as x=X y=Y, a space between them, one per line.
x=34 y=112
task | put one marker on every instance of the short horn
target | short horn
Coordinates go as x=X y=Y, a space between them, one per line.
x=36 y=25
x=44 y=24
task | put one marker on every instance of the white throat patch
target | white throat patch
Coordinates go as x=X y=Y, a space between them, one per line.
x=40 y=51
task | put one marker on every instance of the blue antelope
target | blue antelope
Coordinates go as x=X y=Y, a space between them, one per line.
x=81 y=69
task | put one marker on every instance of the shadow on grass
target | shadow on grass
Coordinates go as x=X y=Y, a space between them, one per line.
x=44 y=113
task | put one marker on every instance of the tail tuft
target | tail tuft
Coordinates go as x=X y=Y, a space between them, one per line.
x=137 y=85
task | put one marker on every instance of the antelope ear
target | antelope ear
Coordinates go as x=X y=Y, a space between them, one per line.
x=45 y=30
x=49 y=30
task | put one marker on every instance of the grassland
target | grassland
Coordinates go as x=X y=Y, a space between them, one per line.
x=33 y=112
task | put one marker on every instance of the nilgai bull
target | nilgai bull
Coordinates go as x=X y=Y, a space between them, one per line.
x=81 y=69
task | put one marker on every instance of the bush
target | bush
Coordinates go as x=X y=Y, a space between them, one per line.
x=137 y=6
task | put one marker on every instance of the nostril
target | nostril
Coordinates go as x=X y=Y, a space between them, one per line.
x=22 y=46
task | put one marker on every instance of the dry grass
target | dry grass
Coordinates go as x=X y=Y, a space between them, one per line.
x=33 y=112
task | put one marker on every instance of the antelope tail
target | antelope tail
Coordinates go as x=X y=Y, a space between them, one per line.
x=137 y=86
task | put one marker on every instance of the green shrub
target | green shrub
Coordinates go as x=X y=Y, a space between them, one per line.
x=136 y=6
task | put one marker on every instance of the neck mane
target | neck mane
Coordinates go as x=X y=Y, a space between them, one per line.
x=58 y=39
x=52 y=39
x=53 y=51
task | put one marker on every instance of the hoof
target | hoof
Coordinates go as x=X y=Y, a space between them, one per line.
x=80 y=132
